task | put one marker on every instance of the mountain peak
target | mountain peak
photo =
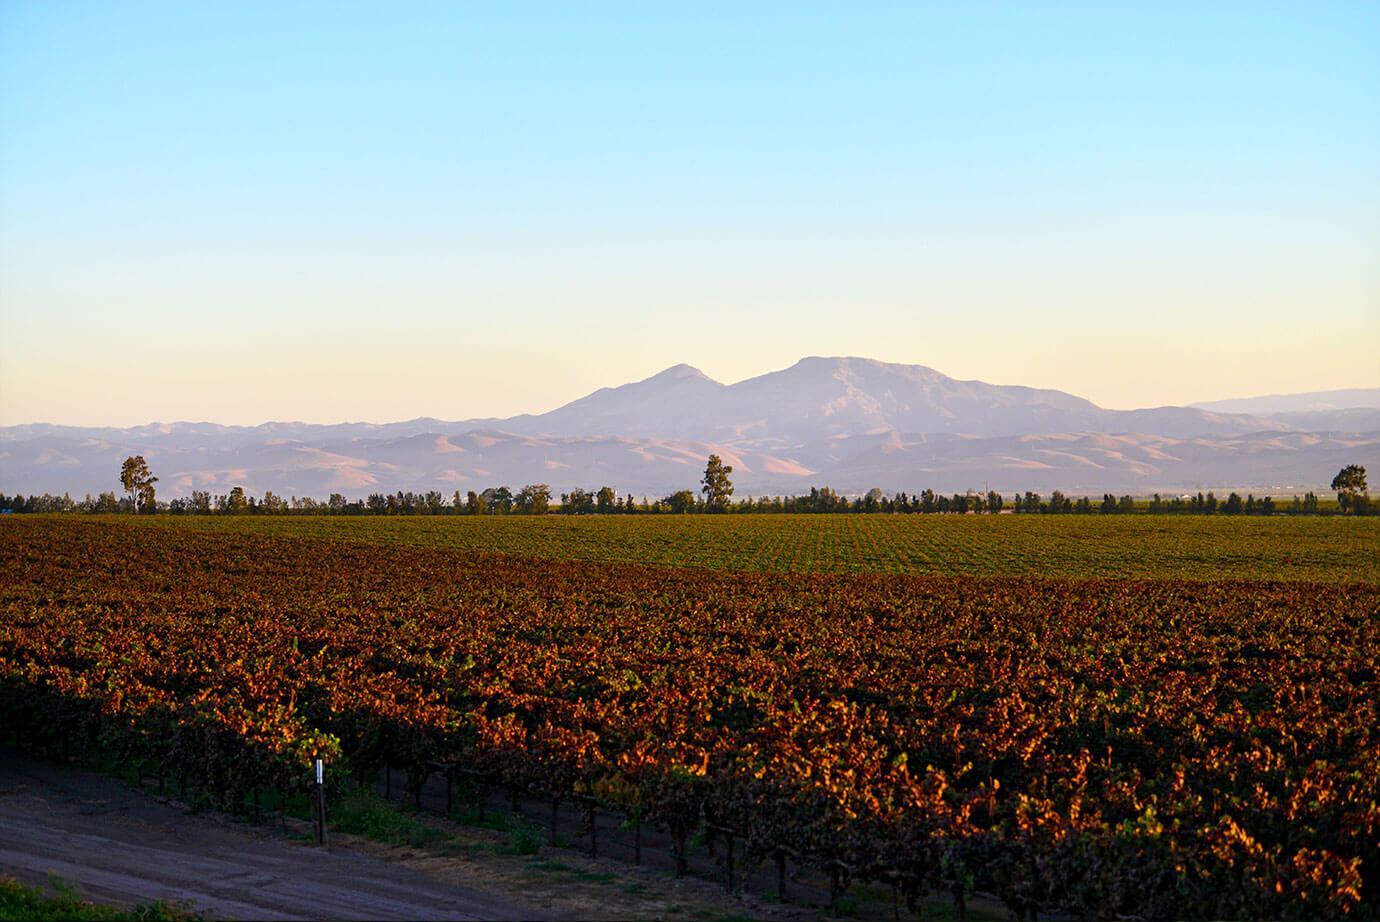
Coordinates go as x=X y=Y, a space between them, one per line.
x=854 y=364
x=679 y=371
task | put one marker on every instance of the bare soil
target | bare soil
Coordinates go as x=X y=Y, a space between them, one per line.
x=122 y=846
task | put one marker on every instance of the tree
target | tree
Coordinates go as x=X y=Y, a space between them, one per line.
x=604 y=501
x=534 y=499
x=577 y=502
x=717 y=487
x=681 y=502
x=500 y=500
x=1350 y=485
x=475 y=503
x=872 y=501
x=236 y=503
x=138 y=483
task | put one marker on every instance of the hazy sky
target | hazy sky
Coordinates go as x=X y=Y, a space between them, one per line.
x=242 y=212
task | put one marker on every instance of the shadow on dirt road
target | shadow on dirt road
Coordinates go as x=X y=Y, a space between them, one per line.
x=122 y=847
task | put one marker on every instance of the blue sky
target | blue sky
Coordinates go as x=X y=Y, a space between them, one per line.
x=242 y=212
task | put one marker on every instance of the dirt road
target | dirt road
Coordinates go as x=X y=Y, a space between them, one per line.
x=122 y=847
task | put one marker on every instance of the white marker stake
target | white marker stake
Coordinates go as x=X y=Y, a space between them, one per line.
x=320 y=804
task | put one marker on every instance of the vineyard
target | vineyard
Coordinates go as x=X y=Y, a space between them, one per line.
x=1095 y=744
x=1142 y=546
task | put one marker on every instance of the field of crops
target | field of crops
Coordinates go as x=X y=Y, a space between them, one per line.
x=1166 y=748
x=1330 y=549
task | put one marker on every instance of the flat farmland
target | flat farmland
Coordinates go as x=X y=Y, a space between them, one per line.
x=1169 y=746
x=1311 y=549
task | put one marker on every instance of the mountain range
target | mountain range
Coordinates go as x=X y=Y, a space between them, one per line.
x=848 y=423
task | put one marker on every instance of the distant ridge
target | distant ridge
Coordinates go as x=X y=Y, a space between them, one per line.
x=1353 y=398
x=826 y=397
x=847 y=422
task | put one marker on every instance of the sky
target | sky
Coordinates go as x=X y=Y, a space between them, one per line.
x=241 y=212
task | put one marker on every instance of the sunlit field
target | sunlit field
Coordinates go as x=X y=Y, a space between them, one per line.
x=1321 y=549
x=1176 y=719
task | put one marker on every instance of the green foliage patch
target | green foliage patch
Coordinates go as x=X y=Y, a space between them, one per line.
x=364 y=814
x=1296 y=548
x=60 y=900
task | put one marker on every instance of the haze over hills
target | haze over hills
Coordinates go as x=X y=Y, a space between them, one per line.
x=848 y=423
x=1355 y=398
x=823 y=398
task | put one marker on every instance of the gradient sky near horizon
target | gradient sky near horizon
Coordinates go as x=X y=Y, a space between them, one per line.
x=239 y=212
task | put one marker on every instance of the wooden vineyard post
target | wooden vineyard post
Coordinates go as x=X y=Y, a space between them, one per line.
x=781 y=852
x=590 y=815
x=679 y=833
x=837 y=870
x=727 y=833
x=730 y=863
x=320 y=804
x=893 y=877
x=449 y=770
x=476 y=789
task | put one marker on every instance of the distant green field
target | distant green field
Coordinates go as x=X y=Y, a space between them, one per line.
x=1330 y=549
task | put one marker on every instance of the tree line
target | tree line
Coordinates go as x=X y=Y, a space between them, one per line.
x=715 y=497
